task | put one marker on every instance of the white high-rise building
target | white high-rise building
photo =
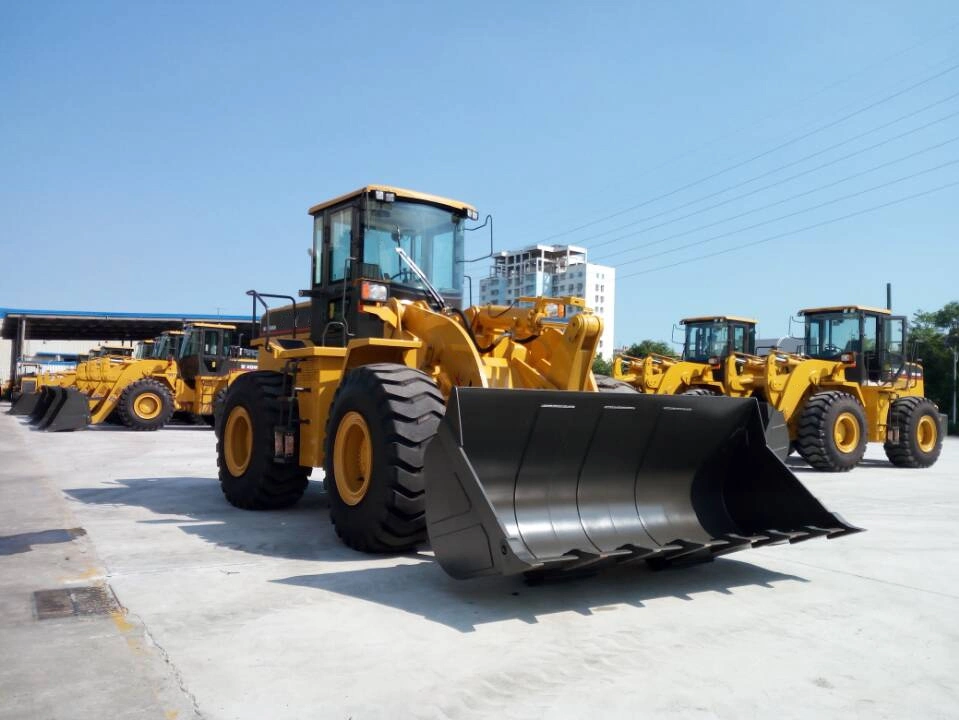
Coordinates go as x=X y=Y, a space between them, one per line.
x=555 y=270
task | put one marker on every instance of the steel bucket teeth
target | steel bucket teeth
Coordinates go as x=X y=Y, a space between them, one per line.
x=538 y=481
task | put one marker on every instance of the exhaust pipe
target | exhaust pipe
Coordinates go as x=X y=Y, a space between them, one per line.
x=542 y=482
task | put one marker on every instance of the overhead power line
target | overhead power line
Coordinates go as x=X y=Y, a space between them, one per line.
x=847 y=178
x=770 y=238
x=778 y=182
x=802 y=101
x=823 y=204
x=753 y=158
x=775 y=170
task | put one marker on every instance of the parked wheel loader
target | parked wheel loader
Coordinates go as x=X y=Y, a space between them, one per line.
x=187 y=372
x=481 y=428
x=710 y=346
x=716 y=352
x=853 y=383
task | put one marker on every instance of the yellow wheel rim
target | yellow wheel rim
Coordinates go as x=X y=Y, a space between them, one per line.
x=845 y=432
x=147 y=405
x=238 y=441
x=926 y=434
x=352 y=458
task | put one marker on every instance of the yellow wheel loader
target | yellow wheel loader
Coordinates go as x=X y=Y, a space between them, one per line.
x=481 y=429
x=712 y=349
x=718 y=358
x=853 y=384
x=187 y=372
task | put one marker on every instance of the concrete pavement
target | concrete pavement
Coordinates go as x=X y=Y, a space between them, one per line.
x=232 y=614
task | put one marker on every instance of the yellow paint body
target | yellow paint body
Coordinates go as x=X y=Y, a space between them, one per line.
x=784 y=380
x=552 y=355
x=104 y=378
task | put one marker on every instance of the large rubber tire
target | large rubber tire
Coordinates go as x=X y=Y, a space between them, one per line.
x=145 y=405
x=826 y=415
x=604 y=383
x=401 y=410
x=700 y=392
x=262 y=484
x=920 y=434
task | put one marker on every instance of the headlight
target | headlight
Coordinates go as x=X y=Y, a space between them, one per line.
x=848 y=358
x=373 y=292
x=714 y=361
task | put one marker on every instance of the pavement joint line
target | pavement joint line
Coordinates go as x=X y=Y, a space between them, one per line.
x=862 y=577
x=178 y=676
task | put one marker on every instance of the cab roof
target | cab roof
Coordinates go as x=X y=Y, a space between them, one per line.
x=718 y=318
x=400 y=193
x=845 y=308
x=215 y=326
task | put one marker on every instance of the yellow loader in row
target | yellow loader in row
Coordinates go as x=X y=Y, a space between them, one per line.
x=482 y=428
x=853 y=383
x=189 y=370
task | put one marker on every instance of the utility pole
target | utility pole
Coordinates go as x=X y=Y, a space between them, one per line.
x=953 y=342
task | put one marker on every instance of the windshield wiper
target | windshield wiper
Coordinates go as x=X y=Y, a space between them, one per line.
x=437 y=300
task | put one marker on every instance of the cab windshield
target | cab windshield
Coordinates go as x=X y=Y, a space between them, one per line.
x=705 y=340
x=829 y=336
x=432 y=236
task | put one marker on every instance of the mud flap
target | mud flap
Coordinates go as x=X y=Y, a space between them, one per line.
x=25 y=404
x=68 y=409
x=541 y=481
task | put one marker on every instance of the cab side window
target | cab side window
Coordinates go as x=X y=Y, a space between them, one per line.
x=341 y=236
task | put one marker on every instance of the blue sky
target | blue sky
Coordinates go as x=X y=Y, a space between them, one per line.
x=161 y=157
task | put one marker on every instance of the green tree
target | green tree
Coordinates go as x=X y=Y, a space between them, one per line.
x=935 y=335
x=646 y=347
x=602 y=367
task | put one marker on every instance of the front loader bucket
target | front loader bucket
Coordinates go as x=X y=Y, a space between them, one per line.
x=42 y=405
x=777 y=431
x=69 y=410
x=24 y=404
x=552 y=482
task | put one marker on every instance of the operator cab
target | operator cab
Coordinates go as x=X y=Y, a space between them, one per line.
x=144 y=350
x=356 y=262
x=205 y=350
x=871 y=342
x=167 y=346
x=710 y=339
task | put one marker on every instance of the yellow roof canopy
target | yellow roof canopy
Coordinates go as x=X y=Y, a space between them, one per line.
x=846 y=309
x=718 y=319
x=400 y=194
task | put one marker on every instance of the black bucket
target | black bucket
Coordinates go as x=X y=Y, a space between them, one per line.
x=545 y=481
x=25 y=404
x=46 y=399
x=68 y=410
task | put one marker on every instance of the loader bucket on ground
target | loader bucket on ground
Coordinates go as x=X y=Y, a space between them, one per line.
x=43 y=405
x=552 y=482
x=24 y=404
x=69 y=410
x=777 y=431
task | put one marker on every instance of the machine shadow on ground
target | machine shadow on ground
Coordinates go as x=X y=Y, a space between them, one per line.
x=197 y=507
x=423 y=589
x=797 y=464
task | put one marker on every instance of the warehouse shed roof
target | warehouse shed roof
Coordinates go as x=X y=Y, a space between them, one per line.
x=94 y=325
